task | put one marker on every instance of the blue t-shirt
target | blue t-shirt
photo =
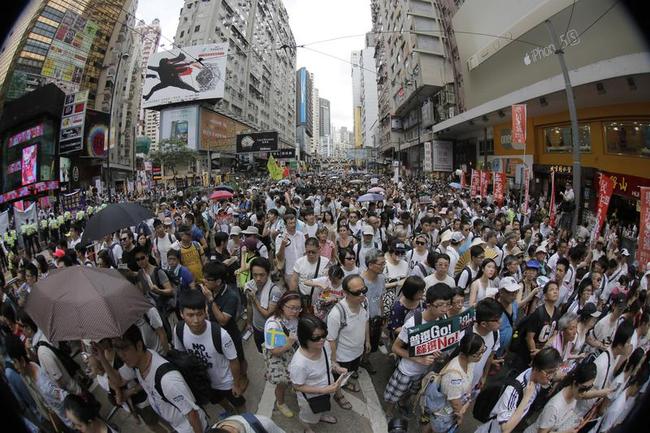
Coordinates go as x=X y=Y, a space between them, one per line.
x=506 y=330
x=197 y=234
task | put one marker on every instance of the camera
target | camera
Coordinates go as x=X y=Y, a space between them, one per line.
x=398 y=425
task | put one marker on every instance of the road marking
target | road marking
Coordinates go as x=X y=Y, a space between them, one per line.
x=267 y=402
x=375 y=412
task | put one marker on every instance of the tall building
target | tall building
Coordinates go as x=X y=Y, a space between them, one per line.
x=368 y=94
x=259 y=84
x=315 y=118
x=413 y=67
x=355 y=60
x=149 y=120
x=304 y=110
x=324 y=117
x=76 y=46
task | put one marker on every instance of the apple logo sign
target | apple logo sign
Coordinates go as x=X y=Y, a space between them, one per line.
x=527 y=59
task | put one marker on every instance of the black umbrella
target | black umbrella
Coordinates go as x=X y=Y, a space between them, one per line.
x=224 y=187
x=114 y=217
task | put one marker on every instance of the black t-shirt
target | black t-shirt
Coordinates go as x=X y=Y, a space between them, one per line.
x=128 y=257
x=228 y=303
x=543 y=325
x=230 y=270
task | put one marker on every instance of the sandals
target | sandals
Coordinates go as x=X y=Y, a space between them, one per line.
x=328 y=419
x=343 y=402
x=352 y=387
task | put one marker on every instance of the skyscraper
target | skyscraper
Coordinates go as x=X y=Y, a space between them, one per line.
x=149 y=120
x=324 y=117
x=259 y=84
x=304 y=109
x=315 y=118
x=368 y=94
x=355 y=60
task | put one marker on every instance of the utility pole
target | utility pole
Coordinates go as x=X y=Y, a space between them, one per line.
x=574 y=125
x=110 y=122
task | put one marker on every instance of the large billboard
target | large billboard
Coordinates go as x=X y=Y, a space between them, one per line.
x=180 y=124
x=218 y=132
x=257 y=142
x=189 y=74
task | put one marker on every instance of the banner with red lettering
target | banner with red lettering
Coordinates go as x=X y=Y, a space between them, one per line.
x=475 y=183
x=485 y=180
x=499 y=188
x=605 y=190
x=519 y=123
x=463 y=182
x=526 y=190
x=552 y=205
x=643 y=247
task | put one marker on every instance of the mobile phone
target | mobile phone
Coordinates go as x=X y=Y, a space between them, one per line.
x=346 y=377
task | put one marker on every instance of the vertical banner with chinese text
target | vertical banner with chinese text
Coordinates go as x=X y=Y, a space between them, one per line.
x=485 y=180
x=475 y=183
x=499 y=188
x=519 y=124
x=643 y=247
x=605 y=190
x=552 y=204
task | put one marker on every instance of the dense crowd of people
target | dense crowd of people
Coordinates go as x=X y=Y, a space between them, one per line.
x=323 y=286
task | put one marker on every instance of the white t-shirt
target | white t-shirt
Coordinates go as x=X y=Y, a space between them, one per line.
x=307 y=271
x=604 y=330
x=604 y=376
x=149 y=336
x=52 y=366
x=175 y=389
x=557 y=416
x=310 y=231
x=491 y=346
x=432 y=280
x=349 y=340
x=354 y=271
x=202 y=346
x=414 y=258
x=455 y=382
x=406 y=366
x=453 y=259
x=293 y=251
x=305 y=371
x=396 y=272
x=163 y=245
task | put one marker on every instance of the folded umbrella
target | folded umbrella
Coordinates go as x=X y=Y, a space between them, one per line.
x=221 y=195
x=112 y=218
x=81 y=302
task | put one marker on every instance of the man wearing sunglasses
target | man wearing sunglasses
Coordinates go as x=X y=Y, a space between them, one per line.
x=349 y=333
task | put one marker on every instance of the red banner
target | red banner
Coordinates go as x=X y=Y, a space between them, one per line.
x=499 y=188
x=643 y=247
x=463 y=182
x=475 y=183
x=552 y=205
x=526 y=190
x=485 y=180
x=519 y=123
x=605 y=190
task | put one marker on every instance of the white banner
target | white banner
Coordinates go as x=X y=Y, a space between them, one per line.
x=443 y=156
x=4 y=222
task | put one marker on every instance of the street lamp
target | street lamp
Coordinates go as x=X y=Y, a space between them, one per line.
x=110 y=121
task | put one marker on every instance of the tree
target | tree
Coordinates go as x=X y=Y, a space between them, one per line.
x=173 y=153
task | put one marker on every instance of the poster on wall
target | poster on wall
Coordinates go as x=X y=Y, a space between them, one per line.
x=443 y=156
x=189 y=74
x=29 y=164
x=180 y=124
x=257 y=142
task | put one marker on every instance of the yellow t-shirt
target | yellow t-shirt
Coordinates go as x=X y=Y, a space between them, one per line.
x=191 y=259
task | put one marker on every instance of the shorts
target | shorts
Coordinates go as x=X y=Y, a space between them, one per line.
x=218 y=395
x=305 y=414
x=349 y=365
x=400 y=385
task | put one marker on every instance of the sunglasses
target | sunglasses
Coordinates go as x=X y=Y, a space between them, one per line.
x=360 y=292
x=317 y=338
x=124 y=239
x=141 y=258
x=349 y=258
x=420 y=243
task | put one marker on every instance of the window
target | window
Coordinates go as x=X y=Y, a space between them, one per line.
x=182 y=33
x=558 y=138
x=631 y=137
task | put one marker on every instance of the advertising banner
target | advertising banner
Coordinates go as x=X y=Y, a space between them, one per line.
x=499 y=188
x=191 y=74
x=218 y=132
x=485 y=181
x=475 y=182
x=605 y=190
x=443 y=156
x=519 y=123
x=257 y=142
x=73 y=201
x=72 y=122
x=284 y=154
x=29 y=163
x=439 y=335
x=180 y=124
x=643 y=247
x=552 y=215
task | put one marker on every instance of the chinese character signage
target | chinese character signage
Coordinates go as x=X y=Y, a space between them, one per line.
x=628 y=186
x=643 y=247
x=485 y=180
x=72 y=122
x=475 y=183
x=519 y=123
x=605 y=189
x=499 y=188
x=439 y=335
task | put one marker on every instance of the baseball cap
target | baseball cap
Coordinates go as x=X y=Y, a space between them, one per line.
x=251 y=230
x=508 y=283
x=477 y=241
x=541 y=249
x=446 y=236
x=589 y=310
x=167 y=221
x=368 y=231
x=532 y=264
x=457 y=237
x=400 y=247
x=516 y=251
x=58 y=253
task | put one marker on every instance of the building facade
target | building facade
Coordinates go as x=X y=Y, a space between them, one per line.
x=325 y=122
x=315 y=118
x=369 y=102
x=259 y=85
x=304 y=110
x=357 y=72
x=149 y=120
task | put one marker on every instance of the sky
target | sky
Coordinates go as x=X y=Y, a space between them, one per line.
x=311 y=21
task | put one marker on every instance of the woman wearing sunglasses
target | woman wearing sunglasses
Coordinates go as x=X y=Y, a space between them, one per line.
x=280 y=336
x=311 y=374
x=348 y=261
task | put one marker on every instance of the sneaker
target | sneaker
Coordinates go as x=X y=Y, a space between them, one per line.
x=284 y=410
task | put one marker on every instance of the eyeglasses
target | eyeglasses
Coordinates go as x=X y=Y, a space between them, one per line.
x=140 y=258
x=359 y=293
x=349 y=258
x=296 y=309
x=124 y=239
x=317 y=338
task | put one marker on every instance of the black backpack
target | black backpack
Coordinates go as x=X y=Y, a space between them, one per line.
x=68 y=363
x=489 y=396
x=216 y=335
x=194 y=372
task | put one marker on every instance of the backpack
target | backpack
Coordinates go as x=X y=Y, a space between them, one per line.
x=194 y=372
x=343 y=314
x=216 y=335
x=430 y=396
x=253 y=422
x=469 y=279
x=489 y=396
x=169 y=238
x=423 y=270
x=68 y=363
x=518 y=340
